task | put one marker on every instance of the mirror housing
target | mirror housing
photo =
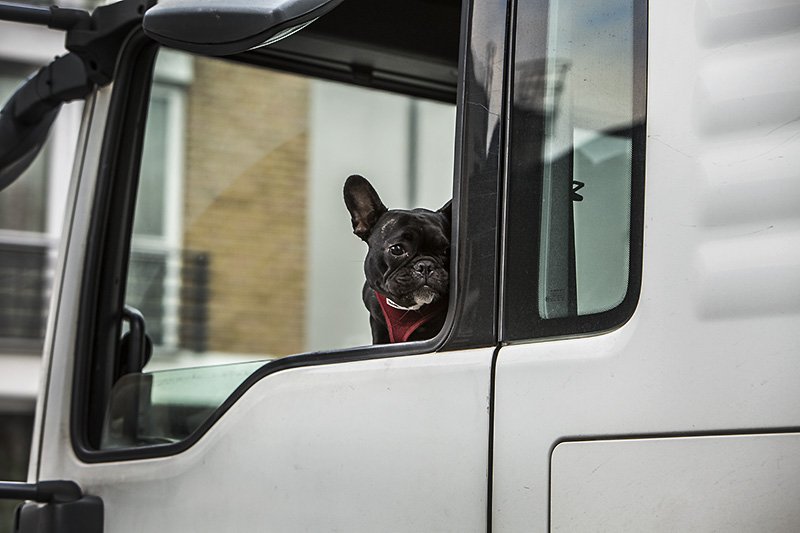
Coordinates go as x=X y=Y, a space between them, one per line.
x=225 y=27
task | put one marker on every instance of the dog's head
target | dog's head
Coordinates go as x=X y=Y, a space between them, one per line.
x=409 y=250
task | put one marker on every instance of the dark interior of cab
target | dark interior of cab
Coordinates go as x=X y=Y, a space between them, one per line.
x=411 y=47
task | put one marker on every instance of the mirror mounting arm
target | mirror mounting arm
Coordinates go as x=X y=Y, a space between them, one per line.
x=98 y=44
x=54 y=17
x=63 y=80
x=94 y=42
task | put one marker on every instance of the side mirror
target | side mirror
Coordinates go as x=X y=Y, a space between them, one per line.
x=224 y=27
x=26 y=118
x=21 y=143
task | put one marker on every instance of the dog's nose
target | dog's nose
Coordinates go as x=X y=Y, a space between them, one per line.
x=424 y=267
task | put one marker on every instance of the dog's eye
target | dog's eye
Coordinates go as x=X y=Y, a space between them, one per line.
x=396 y=249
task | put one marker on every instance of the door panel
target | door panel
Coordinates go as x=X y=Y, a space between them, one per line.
x=381 y=445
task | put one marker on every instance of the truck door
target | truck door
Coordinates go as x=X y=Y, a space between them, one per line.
x=208 y=359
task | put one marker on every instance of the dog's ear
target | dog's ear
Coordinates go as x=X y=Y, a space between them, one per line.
x=447 y=210
x=364 y=204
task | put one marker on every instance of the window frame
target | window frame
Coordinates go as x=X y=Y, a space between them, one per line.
x=520 y=313
x=471 y=322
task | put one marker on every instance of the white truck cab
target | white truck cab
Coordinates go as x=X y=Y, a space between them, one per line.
x=622 y=345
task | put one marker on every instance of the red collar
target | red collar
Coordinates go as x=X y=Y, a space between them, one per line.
x=401 y=323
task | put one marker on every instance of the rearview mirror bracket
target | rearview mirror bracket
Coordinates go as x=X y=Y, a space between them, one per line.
x=93 y=41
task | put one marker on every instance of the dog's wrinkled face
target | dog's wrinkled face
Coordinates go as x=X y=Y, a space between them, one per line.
x=408 y=256
x=409 y=250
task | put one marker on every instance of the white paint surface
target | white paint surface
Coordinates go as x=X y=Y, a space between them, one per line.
x=384 y=445
x=743 y=484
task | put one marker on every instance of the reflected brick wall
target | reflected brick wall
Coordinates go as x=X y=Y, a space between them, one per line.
x=245 y=196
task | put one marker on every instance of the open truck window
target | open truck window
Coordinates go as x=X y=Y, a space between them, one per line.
x=242 y=245
x=241 y=250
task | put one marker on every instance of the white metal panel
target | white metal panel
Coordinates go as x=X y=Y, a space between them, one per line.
x=732 y=483
x=59 y=342
x=398 y=444
x=715 y=341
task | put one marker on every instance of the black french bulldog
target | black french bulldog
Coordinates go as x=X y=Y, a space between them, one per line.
x=406 y=267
